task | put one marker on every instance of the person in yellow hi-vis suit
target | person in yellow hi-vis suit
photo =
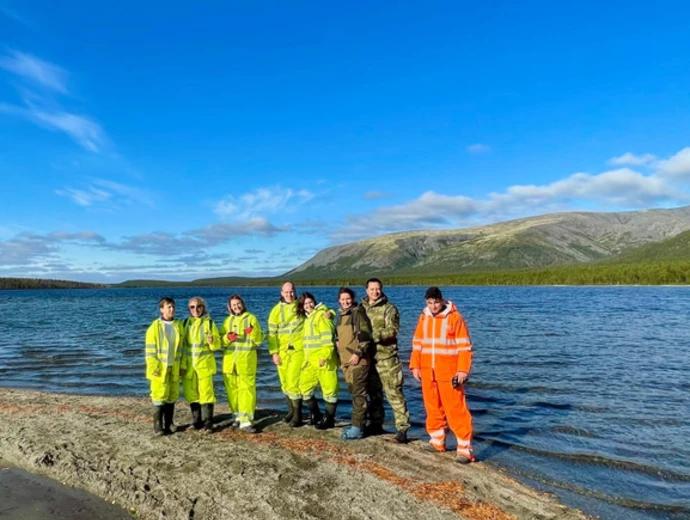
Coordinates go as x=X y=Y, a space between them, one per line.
x=286 y=346
x=320 y=361
x=164 y=365
x=202 y=340
x=241 y=335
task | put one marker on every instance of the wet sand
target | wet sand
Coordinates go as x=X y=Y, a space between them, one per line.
x=104 y=445
x=25 y=496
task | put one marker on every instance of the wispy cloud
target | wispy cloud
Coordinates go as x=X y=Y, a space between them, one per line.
x=630 y=159
x=373 y=195
x=114 y=194
x=478 y=148
x=36 y=76
x=623 y=188
x=261 y=201
x=17 y=17
x=35 y=71
x=27 y=249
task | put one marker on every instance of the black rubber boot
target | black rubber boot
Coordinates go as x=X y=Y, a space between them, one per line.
x=291 y=410
x=314 y=412
x=207 y=417
x=168 y=415
x=158 y=420
x=328 y=419
x=196 y=416
x=296 y=413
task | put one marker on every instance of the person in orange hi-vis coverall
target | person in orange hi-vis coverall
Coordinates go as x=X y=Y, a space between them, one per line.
x=441 y=360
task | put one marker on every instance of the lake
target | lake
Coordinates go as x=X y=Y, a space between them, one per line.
x=580 y=391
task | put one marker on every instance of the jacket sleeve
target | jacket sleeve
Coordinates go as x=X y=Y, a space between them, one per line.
x=257 y=335
x=362 y=327
x=391 y=325
x=417 y=339
x=326 y=337
x=464 y=343
x=215 y=344
x=184 y=360
x=273 y=322
x=153 y=364
x=224 y=341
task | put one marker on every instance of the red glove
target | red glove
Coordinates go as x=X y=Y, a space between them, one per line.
x=232 y=336
x=248 y=330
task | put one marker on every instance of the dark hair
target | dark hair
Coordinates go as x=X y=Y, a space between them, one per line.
x=301 y=300
x=239 y=299
x=374 y=280
x=164 y=300
x=433 y=293
x=346 y=290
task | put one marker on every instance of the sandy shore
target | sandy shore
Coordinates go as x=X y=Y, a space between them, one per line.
x=104 y=445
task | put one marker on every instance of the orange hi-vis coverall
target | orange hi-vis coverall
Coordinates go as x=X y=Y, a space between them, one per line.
x=440 y=349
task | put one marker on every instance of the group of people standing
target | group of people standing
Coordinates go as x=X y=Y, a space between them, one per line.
x=308 y=343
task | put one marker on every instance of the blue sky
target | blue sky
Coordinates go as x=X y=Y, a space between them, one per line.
x=175 y=141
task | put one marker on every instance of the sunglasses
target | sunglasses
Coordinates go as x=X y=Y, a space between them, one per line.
x=192 y=307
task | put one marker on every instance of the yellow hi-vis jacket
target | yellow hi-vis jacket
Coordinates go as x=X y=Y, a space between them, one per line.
x=241 y=353
x=158 y=348
x=285 y=328
x=319 y=336
x=200 y=357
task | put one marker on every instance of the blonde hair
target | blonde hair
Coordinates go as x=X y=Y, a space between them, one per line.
x=199 y=301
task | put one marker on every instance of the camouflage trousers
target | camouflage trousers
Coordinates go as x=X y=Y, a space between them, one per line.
x=386 y=376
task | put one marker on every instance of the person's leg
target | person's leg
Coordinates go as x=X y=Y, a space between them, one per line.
x=391 y=374
x=207 y=399
x=190 y=389
x=459 y=419
x=375 y=412
x=435 y=415
x=231 y=388
x=294 y=360
x=246 y=399
x=308 y=381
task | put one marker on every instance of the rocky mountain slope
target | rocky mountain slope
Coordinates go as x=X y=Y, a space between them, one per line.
x=546 y=240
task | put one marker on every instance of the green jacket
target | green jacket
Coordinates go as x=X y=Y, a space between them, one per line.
x=385 y=325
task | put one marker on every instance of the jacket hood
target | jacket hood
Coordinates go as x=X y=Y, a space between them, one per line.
x=450 y=308
x=383 y=299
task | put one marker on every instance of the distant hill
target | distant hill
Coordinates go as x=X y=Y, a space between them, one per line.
x=557 y=239
x=674 y=248
x=39 y=283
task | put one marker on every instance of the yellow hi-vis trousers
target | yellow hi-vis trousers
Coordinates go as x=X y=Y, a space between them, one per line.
x=198 y=389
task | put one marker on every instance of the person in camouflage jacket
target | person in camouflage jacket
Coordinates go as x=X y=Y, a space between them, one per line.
x=388 y=374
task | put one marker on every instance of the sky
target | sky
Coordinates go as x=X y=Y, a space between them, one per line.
x=174 y=140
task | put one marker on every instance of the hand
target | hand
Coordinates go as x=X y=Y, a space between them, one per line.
x=329 y=314
x=417 y=374
x=232 y=336
x=157 y=373
x=276 y=360
x=354 y=360
x=248 y=330
x=461 y=377
x=182 y=372
x=322 y=363
x=209 y=338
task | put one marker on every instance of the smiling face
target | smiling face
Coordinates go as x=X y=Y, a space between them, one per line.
x=288 y=292
x=236 y=307
x=168 y=311
x=345 y=301
x=196 y=308
x=374 y=291
x=309 y=305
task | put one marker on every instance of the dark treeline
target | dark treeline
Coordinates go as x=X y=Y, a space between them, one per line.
x=39 y=283
x=652 y=273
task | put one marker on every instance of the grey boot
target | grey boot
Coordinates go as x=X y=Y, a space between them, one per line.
x=291 y=410
x=328 y=420
x=296 y=413
x=196 y=415
x=158 y=420
x=207 y=416
x=168 y=415
x=314 y=412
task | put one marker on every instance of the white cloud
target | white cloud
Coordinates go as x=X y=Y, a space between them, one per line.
x=630 y=159
x=261 y=201
x=35 y=70
x=113 y=195
x=30 y=249
x=478 y=148
x=676 y=167
x=623 y=188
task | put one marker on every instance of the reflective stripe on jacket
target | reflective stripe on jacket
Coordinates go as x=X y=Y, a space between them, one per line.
x=158 y=348
x=285 y=328
x=442 y=344
x=200 y=355
x=319 y=337
x=241 y=353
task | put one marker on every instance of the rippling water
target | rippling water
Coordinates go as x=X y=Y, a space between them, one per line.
x=580 y=391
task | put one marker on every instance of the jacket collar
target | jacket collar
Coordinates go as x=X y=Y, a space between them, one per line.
x=450 y=307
